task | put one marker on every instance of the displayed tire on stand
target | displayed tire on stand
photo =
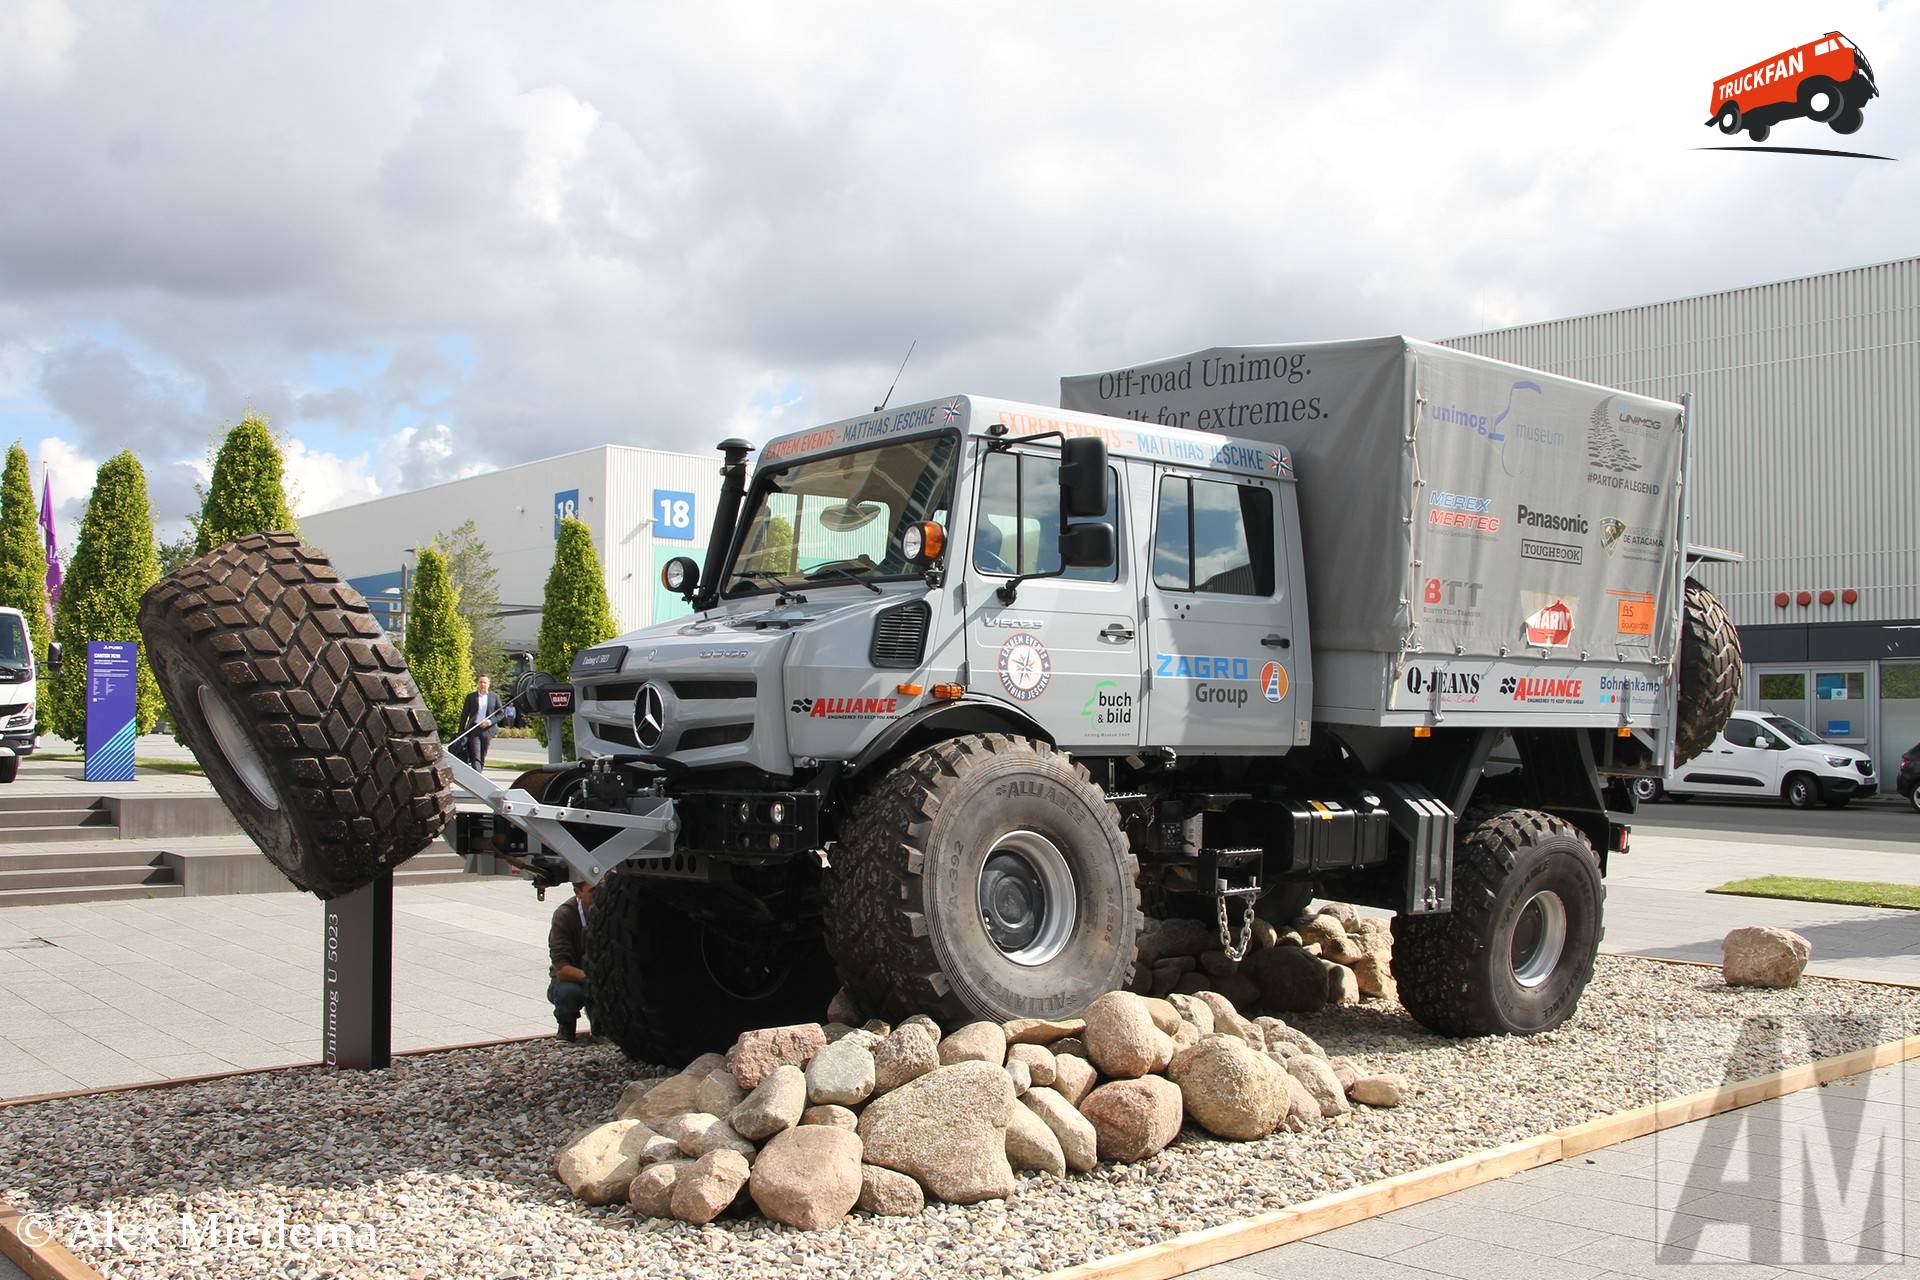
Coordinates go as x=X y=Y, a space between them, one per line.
x=1710 y=672
x=304 y=717
x=1516 y=951
x=984 y=877
x=667 y=987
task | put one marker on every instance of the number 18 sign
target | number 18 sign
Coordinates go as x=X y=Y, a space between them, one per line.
x=672 y=514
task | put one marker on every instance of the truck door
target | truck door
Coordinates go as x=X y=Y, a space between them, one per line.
x=1220 y=664
x=1067 y=649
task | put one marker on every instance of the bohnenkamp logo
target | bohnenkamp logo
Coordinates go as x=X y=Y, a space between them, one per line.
x=1827 y=81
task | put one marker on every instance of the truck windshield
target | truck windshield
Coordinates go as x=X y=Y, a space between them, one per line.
x=826 y=519
x=1794 y=732
x=13 y=643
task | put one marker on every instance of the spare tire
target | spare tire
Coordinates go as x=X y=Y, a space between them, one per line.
x=304 y=717
x=1709 y=672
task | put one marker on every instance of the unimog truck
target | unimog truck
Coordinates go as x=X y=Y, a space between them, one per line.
x=970 y=687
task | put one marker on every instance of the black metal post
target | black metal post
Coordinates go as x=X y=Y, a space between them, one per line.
x=357 y=1000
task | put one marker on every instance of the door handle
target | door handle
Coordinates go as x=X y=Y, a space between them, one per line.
x=1276 y=641
x=1114 y=633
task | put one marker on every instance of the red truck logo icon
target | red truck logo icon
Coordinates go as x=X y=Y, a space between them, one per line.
x=1828 y=80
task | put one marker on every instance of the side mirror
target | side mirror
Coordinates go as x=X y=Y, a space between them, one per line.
x=53 y=658
x=680 y=575
x=1087 y=546
x=1083 y=479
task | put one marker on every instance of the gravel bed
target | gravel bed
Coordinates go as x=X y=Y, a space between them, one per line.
x=441 y=1167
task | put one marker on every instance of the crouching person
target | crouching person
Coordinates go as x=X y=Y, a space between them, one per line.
x=567 y=954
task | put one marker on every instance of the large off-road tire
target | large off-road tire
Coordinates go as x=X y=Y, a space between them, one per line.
x=666 y=987
x=1516 y=951
x=984 y=877
x=304 y=717
x=1709 y=672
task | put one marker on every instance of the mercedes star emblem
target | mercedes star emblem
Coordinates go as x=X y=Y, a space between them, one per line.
x=649 y=715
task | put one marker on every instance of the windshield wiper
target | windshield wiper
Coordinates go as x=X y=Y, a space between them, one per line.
x=787 y=594
x=840 y=567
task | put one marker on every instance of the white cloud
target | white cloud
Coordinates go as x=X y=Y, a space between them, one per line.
x=36 y=42
x=320 y=481
x=72 y=474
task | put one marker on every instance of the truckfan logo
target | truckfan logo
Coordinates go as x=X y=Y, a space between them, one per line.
x=1828 y=81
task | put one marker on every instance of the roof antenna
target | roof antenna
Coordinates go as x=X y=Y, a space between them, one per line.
x=896 y=375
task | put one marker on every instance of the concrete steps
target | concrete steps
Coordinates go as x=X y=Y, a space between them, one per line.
x=86 y=893
x=50 y=819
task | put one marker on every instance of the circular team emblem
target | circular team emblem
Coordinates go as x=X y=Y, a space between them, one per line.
x=1273 y=681
x=1025 y=666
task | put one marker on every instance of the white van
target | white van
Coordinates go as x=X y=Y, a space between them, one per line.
x=19 y=707
x=1767 y=755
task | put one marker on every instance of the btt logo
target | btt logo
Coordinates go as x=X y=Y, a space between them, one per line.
x=1828 y=81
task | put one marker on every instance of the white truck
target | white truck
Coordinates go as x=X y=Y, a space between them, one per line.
x=19 y=692
x=969 y=684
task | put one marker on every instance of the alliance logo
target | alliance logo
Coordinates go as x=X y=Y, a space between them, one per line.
x=1543 y=688
x=845 y=708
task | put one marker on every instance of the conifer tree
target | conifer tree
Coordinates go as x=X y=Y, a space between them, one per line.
x=248 y=491
x=113 y=565
x=575 y=614
x=439 y=646
x=23 y=549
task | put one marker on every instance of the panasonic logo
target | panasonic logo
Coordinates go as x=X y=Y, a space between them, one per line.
x=1548 y=520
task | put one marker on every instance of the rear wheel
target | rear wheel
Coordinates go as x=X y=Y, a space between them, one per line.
x=1516 y=951
x=1709 y=672
x=1759 y=132
x=1821 y=99
x=1646 y=790
x=985 y=877
x=9 y=768
x=666 y=986
x=1913 y=799
x=1800 y=790
x=304 y=717
x=1848 y=121
x=1729 y=118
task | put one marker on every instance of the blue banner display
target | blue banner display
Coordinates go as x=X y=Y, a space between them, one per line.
x=110 y=710
x=672 y=514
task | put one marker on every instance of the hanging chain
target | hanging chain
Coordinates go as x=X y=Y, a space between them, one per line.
x=1235 y=951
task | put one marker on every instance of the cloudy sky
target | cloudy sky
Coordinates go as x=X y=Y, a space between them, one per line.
x=433 y=238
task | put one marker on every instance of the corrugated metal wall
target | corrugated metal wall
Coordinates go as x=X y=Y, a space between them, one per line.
x=637 y=535
x=1807 y=402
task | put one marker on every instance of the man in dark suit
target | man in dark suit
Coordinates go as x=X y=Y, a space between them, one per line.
x=485 y=709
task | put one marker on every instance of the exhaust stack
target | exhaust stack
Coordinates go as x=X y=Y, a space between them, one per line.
x=726 y=518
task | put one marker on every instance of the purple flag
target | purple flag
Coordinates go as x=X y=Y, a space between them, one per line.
x=53 y=544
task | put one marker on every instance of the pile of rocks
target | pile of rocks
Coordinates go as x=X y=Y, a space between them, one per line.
x=810 y=1122
x=1330 y=956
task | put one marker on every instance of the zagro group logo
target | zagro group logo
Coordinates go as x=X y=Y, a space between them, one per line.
x=1826 y=81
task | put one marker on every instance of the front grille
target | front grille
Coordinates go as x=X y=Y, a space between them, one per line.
x=620 y=733
x=12 y=709
x=715 y=735
x=900 y=637
x=618 y=691
x=696 y=690
x=1865 y=767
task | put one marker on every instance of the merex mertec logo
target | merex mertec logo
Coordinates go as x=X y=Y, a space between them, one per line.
x=1828 y=81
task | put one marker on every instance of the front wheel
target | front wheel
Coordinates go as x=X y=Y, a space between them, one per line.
x=1729 y=118
x=1821 y=98
x=985 y=877
x=1516 y=951
x=1800 y=791
x=1848 y=121
x=9 y=768
x=1759 y=132
x=1913 y=799
x=1646 y=790
x=667 y=986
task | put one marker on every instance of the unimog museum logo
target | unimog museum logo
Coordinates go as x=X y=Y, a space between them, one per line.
x=1611 y=459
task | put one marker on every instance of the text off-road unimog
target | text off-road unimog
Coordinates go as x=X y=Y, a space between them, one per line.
x=969 y=685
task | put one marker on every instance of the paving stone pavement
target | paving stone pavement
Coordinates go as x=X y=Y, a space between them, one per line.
x=110 y=993
x=1824 y=1182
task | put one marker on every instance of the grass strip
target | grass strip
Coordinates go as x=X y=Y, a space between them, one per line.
x=1848 y=893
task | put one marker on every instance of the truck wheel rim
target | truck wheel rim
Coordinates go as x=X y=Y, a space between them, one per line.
x=741 y=971
x=1539 y=938
x=239 y=752
x=1026 y=898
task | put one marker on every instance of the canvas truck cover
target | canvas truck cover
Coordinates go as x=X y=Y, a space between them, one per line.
x=1474 y=521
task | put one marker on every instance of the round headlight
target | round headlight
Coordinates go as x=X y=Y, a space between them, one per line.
x=912 y=542
x=680 y=575
x=777 y=813
x=923 y=541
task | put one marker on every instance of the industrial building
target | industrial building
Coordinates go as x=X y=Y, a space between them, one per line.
x=643 y=506
x=1806 y=398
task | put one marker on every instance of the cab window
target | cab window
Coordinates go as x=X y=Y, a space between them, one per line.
x=1213 y=538
x=1017 y=529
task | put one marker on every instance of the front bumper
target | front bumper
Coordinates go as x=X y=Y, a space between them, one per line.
x=17 y=742
x=1833 y=788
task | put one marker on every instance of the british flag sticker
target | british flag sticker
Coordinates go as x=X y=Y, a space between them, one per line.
x=950 y=411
